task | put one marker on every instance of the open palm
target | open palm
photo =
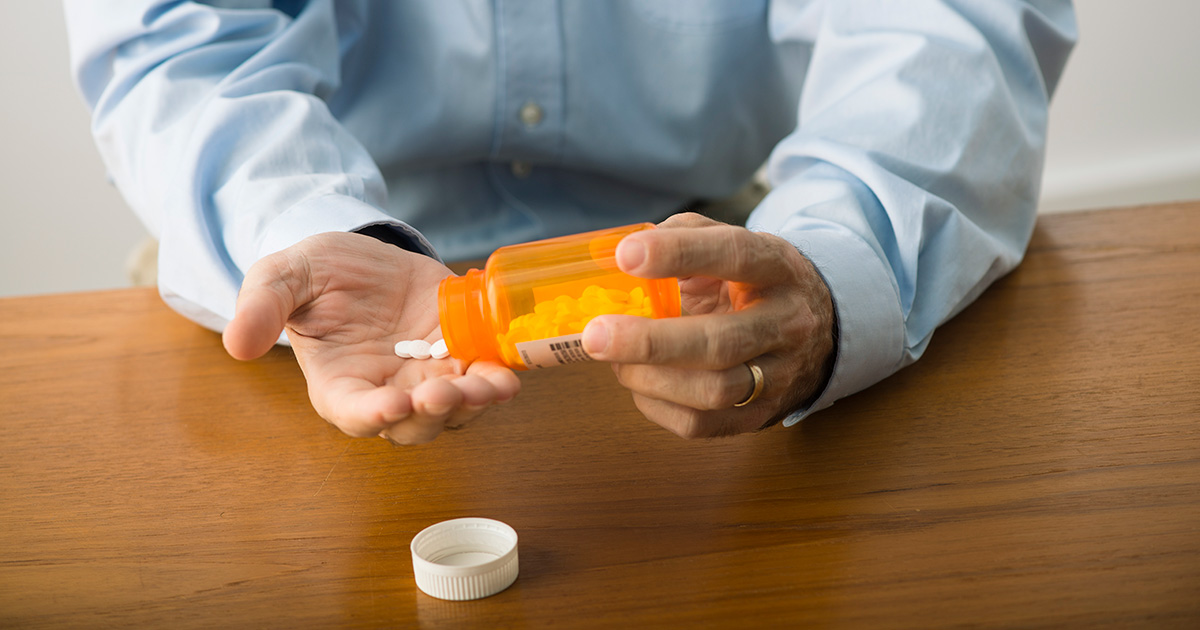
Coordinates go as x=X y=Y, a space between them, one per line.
x=344 y=301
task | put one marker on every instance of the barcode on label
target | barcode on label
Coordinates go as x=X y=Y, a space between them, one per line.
x=569 y=351
x=553 y=351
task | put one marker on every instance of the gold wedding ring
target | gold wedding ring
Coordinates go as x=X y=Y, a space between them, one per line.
x=756 y=372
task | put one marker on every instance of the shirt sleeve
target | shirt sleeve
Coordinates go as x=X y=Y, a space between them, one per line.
x=912 y=178
x=213 y=123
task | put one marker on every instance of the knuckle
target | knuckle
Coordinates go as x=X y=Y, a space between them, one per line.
x=638 y=345
x=650 y=351
x=804 y=320
x=719 y=391
x=745 y=251
x=687 y=220
x=681 y=257
x=691 y=426
x=708 y=425
x=692 y=219
x=800 y=326
x=710 y=398
x=765 y=249
x=681 y=421
x=726 y=344
x=739 y=252
x=290 y=272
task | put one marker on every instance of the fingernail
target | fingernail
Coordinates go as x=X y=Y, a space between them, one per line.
x=393 y=418
x=437 y=410
x=630 y=254
x=595 y=337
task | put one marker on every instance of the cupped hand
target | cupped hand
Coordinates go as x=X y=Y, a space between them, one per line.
x=345 y=300
x=749 y=296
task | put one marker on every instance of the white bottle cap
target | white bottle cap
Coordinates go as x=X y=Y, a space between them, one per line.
x=465 y=558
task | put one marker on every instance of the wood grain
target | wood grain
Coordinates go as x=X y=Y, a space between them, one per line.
x=1040 y=467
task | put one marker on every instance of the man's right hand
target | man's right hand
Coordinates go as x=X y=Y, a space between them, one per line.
x=345 y=300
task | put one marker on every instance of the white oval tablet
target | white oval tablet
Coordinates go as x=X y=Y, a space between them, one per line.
x=402 y=349
x=419 y=349
x=439 y=349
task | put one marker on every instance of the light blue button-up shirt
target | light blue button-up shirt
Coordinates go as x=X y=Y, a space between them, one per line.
x=905 y=137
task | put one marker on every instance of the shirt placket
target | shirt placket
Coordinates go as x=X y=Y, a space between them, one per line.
x=529 y=112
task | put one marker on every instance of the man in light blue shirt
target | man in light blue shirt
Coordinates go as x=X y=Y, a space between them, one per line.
x=320 y=155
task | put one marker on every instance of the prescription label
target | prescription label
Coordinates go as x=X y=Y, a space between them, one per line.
x=552 y=351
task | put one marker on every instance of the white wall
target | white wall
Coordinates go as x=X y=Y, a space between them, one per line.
x=64 y=228
x=1125 y=129
x=1125 y=124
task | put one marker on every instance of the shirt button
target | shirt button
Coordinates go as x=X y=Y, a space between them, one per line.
x=521 y=170
x=532 y=114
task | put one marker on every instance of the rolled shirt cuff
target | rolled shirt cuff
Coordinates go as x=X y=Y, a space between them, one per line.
x=870 y=322
x=336 y=213
x=870 y=343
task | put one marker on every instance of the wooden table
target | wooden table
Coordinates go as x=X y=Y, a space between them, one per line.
x=1040 y=467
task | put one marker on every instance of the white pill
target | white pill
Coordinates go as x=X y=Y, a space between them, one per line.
x=402 y=349
x=419 y=349
x=439 y=349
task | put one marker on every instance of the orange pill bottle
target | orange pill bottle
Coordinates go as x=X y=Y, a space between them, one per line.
x=527 y=307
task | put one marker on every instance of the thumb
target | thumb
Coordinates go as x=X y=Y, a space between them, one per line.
x=272 y=290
